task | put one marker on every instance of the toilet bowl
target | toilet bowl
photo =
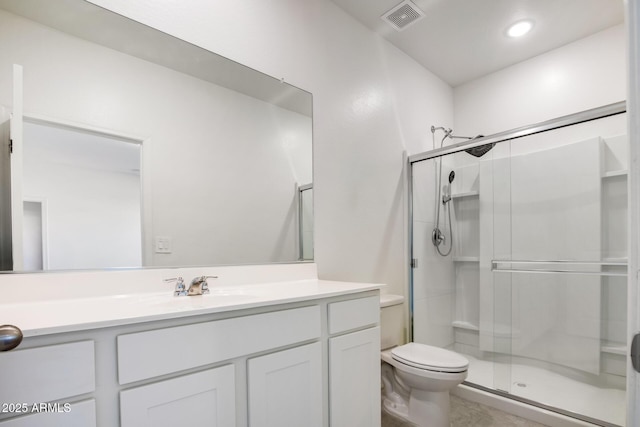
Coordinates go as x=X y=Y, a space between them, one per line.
x=416 y=378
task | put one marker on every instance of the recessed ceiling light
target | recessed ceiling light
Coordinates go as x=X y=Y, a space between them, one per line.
x=520 y=28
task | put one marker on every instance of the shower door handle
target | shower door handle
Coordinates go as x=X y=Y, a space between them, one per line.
x=635 y=352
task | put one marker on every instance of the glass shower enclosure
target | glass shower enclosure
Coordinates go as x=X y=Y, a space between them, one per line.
x=520 y=261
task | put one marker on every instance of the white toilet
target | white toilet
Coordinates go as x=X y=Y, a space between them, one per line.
x=416 y=378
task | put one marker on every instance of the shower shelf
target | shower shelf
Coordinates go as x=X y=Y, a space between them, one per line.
x=465 y=194
x=460 y=324
x=611 y=174
x=619 y=349
x=466 y=259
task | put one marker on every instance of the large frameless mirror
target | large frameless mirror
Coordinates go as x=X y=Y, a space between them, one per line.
x=132 y=148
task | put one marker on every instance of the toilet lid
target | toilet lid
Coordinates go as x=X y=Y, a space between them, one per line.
x=431 y=358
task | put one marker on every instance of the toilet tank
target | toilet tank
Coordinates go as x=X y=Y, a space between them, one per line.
x=391 y=321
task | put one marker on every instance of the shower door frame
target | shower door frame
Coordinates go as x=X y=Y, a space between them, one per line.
x=634 y=210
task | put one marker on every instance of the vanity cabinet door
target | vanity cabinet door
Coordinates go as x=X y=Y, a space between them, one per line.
x=285 y=388
x=354 y=379
x=202 y=399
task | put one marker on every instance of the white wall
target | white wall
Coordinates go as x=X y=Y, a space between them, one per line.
x=220 y=168
x=91 y=209
x=371 y=102
x=585 y=74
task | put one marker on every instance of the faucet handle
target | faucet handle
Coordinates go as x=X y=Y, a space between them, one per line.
x=180 y=288
x=205 y=285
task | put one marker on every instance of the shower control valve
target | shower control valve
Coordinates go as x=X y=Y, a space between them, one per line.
x=437 y=237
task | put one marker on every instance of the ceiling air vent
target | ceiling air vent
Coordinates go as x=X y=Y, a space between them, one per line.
x=403 y=15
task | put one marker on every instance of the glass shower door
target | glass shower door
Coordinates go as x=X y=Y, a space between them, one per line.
x=520 y=262
x=556 y=206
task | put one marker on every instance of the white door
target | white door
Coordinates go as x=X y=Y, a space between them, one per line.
x=203 y=399
x=16 y=170
x=285 y=388
x=354 y=379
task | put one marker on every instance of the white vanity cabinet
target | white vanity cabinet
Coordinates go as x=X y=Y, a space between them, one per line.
x=354 y=363
x=312 y=363
x=208 y=398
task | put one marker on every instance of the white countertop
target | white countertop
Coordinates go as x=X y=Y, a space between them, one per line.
x=76 y=314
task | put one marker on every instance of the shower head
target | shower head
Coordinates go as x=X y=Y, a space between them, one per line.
x=480 y=150
x=475 y=151
x=452 y=176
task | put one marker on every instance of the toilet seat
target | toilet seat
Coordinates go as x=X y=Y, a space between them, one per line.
x=429 y=358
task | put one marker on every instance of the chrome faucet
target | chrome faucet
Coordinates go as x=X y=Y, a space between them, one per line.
x=199 y=285
x=180 y=288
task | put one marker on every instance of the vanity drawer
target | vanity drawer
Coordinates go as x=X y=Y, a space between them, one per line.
x=353 y=314
x=149 y=354
x=44 y=374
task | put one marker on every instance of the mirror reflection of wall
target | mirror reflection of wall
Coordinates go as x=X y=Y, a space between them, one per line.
x=219 y=165
x=306 y=221
x=90 y=187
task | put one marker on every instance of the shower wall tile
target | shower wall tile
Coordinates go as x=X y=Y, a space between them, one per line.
x=614 y=364
x=467 y=350
x=465 y=336
x=614 y=309
x=467 y=177
x=466 y=230
x=435 y=274
x=432 y=318
x=614 y=217
x=616 y=153
x=468 y=292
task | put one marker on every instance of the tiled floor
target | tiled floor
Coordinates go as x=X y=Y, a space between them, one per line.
x=470 y=414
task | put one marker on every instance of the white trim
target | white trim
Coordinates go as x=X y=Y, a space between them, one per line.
x=16 y=133
x=42 y=119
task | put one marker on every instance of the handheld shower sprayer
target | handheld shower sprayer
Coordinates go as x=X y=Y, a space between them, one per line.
x=446 y=189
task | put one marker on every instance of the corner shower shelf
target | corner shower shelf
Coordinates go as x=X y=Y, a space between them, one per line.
x=611 y=174
x=466 y=259
x=619 y=349
x=460 y=324
x=465 y=194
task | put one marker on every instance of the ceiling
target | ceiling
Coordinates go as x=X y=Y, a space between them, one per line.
x=461 y=40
